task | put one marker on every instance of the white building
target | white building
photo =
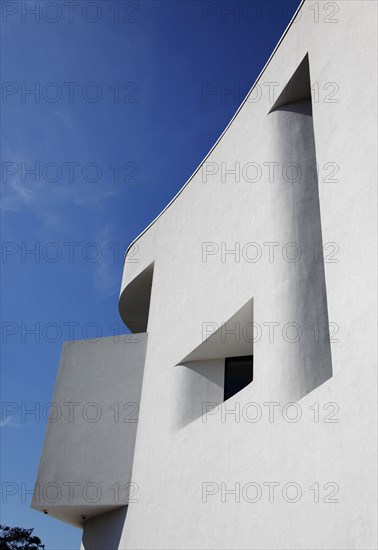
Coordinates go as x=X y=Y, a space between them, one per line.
x=252 y=299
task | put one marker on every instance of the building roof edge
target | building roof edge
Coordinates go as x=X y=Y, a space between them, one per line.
x=222 y=134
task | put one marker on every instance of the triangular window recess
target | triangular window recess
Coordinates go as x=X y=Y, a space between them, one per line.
x=298 y=88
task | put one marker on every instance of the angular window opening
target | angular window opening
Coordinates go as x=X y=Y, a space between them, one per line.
x=199 y=377
x=238 y=373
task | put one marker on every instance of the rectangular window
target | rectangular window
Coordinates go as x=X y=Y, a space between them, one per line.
x=238 y=373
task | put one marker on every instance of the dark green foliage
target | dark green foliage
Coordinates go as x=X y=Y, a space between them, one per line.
x=17 y=538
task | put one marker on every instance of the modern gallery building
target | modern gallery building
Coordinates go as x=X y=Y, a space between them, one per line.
x=240 y=413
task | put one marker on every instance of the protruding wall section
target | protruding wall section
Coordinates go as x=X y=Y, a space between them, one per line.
x=87 y=458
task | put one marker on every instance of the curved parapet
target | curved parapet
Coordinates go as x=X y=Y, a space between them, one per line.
x=134 y=302
x=142 y=251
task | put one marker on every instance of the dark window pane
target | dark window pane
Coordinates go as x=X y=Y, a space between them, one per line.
x=238 y=374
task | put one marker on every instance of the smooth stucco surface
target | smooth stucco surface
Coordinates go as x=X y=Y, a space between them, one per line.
x=88 y=452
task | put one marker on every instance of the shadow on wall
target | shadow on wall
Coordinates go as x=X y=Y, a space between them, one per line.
x=295 y=210
x=199 y=376
x=134 y=302
x=104 y=532
x=200 y=387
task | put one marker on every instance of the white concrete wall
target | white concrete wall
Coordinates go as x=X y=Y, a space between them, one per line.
x=171 y=465
x=87 y=457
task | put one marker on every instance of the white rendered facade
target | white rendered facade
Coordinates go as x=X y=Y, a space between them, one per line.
x=207 y=473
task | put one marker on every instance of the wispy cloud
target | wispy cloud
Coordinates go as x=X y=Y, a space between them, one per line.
x=106 y=273
x=7 y=423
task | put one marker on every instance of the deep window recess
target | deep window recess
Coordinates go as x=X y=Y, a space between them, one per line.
x=238 y=373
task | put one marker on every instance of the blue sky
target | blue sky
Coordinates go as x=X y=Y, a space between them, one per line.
x=129 y=97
